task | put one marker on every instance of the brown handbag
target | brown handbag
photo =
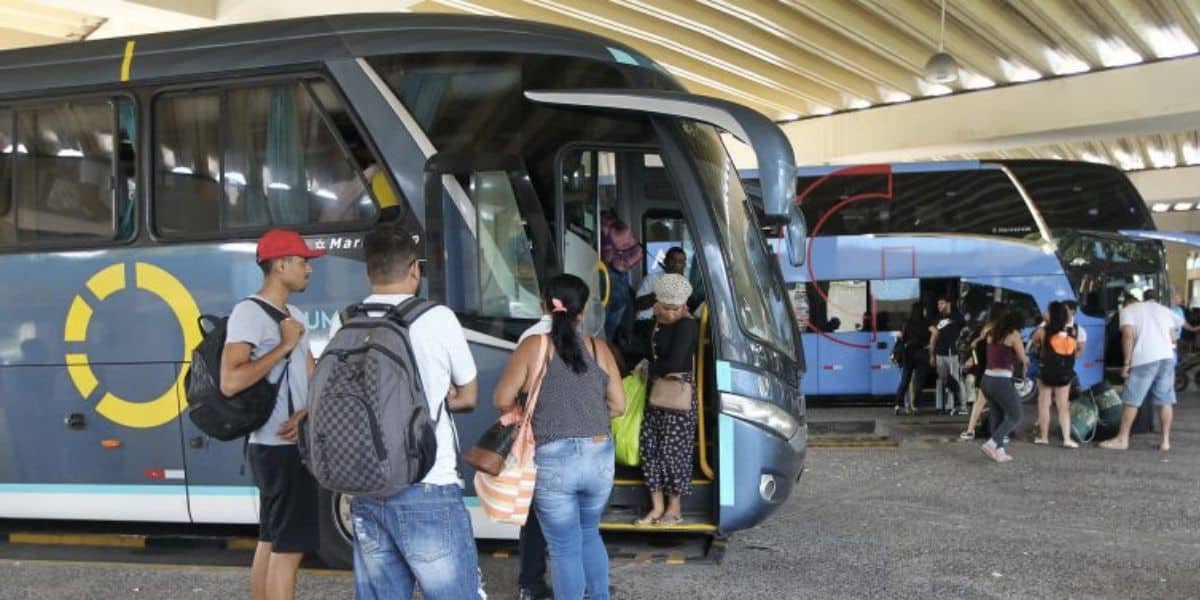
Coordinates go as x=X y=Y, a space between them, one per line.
x=672 y=393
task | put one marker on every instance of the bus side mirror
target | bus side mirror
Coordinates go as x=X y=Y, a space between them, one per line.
x=797 y=236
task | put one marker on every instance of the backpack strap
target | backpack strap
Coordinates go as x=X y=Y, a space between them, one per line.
x=407 y=312
x=278 y=316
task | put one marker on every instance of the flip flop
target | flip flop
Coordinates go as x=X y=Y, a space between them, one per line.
x=669 y=520
x=646 y=522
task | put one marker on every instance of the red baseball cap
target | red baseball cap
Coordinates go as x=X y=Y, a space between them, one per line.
x=278 y=243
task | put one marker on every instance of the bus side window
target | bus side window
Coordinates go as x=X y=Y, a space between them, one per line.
x=8 y=227
x=258 y=157
x=63 y=167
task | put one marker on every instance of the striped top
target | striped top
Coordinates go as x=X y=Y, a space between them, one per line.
x=571 y=404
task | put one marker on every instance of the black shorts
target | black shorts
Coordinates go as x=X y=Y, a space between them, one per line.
x=287 y=497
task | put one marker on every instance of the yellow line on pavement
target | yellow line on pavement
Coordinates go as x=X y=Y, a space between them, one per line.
x=162 y=567
x=78 y=539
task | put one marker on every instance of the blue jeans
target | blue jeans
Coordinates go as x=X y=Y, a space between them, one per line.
x=575 y=477
x=421 y=535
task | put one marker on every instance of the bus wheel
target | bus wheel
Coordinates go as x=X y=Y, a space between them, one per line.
x=337 y=549
x=1027 y=389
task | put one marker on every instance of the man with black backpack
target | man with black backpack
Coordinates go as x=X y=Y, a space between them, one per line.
x=265 y=339
x=410 y=526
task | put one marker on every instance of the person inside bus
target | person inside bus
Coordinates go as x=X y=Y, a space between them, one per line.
x=1005 y=350
x=256 y=347
x=580 y=393
x=621 y=253
x=915 y=368
x=976 y=364
x=1055 y=383
x=393 y=536
x=943 y=355
x=674 y=262
x=667 y=441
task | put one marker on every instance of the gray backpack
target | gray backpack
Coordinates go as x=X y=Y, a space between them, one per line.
x=368 y=430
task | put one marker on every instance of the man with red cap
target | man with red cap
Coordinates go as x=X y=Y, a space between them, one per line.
x=265 y=337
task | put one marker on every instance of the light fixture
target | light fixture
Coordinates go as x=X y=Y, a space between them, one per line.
x=1182 y=206
x=1160 y=208
x=942 y=68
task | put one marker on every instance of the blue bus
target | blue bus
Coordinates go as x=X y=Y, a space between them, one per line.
x=136 y=174
x=1024 y=233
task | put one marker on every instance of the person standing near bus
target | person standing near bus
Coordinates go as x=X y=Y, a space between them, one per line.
x=1148 y=331
x=255 y=347
x=580 y=394
x=943 y=355
x=915 y=337
x=422 y=534
x=1058 y=350
x=1005 y=350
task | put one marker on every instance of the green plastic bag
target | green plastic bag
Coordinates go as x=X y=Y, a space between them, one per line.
x=627 y=428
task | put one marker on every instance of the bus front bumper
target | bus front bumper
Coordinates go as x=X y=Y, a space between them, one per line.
x=757 y=471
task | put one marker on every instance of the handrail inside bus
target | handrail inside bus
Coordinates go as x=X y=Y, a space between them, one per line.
x=704 y=466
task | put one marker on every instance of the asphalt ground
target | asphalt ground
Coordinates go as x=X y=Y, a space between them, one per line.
x=931 y=520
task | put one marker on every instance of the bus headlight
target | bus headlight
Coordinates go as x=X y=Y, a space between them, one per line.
x=761 y=413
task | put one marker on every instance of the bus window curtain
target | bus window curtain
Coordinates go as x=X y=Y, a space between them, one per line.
x=126 y=138
x=287 y=190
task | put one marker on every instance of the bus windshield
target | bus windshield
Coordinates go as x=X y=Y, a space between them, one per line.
x=1074 y=195
x=762 y=309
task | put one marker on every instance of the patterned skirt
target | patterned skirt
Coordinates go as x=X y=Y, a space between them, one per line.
x=668 y=447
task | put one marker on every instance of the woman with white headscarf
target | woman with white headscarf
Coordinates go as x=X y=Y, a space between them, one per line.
x=668 y=438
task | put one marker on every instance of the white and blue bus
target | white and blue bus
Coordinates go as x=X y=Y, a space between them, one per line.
x=1024 y=233
x=136 y=174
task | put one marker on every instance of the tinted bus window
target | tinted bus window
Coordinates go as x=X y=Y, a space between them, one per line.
x=8 y=227
x=976 y=202
x=64 y=167
x=252 y=158
x=1083 y=196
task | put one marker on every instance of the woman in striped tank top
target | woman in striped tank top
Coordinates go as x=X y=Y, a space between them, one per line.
x=581 y=392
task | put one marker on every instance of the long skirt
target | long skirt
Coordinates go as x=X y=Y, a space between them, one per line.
x=668 y=447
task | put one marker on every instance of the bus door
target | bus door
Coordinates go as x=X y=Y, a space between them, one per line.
x=891 y=302
x=843 y=321
x=489 y=249
x=588 y=193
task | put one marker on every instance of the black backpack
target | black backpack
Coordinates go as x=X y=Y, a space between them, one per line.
x=1057 y=369
x=217 y=415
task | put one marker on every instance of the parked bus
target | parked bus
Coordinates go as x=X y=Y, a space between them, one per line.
x=136 y=175
x=1024 y=233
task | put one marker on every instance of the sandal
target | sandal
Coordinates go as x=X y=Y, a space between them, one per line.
x=1070 y=444
x=646 y=521
x=1041 y=441
x=669 y=520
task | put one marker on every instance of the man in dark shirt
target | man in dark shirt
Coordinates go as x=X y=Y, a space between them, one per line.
x=944 y=356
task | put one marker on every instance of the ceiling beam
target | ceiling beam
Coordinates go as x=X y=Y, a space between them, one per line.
x=1070 y=26
x=765 y=99
x=204 y=9
x=610 y=18
x=1006 y=30
x=1154 y=97
x=793 y=27
x=923 y=23
x=749 y=46
x=14 y=38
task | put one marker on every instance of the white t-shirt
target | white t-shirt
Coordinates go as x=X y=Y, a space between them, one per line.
x=1154 y=329
x=443 y=357
x=645 y=289
x=250 y=324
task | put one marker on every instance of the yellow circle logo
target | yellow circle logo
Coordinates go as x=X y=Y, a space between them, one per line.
x=103 y=284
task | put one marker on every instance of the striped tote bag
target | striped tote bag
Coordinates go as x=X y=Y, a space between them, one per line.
x=508 y=496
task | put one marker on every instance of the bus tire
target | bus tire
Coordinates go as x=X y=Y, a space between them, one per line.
x=337 y=547
x=1027 y=389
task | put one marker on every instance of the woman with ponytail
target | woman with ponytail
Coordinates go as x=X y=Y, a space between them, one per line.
x=580 y=393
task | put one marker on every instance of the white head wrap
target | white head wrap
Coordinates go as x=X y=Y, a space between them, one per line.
x=672 y=289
